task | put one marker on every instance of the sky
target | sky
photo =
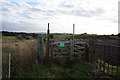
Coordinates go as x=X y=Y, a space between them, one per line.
x=89 y=16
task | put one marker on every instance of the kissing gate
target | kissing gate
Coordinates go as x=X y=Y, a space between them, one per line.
x=107 y=55
x=61 y=49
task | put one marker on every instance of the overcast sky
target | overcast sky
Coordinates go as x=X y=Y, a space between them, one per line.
x=90 y=16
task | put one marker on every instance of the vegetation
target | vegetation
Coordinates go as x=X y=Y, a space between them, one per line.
x=112 y=69
x=25 y=64
x=7 y=39
x=55 y=71
x=24 y=54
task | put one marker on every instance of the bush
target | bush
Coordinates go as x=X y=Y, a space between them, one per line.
x=21 y=37
x=51 y=36
x=35 y=36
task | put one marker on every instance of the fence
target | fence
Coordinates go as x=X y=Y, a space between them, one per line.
x=108 y=58
x=64 y=49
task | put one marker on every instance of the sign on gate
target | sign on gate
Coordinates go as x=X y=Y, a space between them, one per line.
x=61 y=45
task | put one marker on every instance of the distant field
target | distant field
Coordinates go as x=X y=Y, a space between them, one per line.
x=9 y=39
x=61 y=37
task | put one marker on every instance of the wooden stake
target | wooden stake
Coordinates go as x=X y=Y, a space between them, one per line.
x=72 y=43
x=108 y=69
x=48 y=32
x=73 y=36
x=116 y=70
x=9 y=65
x=40 y=48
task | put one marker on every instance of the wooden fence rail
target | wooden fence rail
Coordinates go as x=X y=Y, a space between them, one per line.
x=108 y=57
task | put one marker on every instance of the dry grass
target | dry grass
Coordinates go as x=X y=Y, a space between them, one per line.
x=24 y=54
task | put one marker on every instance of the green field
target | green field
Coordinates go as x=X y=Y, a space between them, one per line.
x=9 y=39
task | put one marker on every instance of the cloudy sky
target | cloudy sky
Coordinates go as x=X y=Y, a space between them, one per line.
x=90 y=16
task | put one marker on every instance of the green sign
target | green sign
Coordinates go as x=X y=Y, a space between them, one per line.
x=61 y=45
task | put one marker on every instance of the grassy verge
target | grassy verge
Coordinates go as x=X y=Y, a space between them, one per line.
x=55 y=71
x=24 y=54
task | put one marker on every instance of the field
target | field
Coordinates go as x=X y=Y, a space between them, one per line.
x=26 y=64
x=9 y=39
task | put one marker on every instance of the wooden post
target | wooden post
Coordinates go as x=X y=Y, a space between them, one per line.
x=108 y=69
x=72 y=43
x=40 y=48
x=116 y=70
x=9 y=73
x=86 y=53
x=71 y=49
x=112 y=69
x=103 y=65
x=100 y=63
x=73 y=38
x=112 y=62
x=104 y=58
x=48 y=32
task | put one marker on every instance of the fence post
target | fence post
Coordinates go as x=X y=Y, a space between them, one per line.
x=48 y=32
x=100 y=63
x=104 y=47
x=116 y=70
x=71 y=49
x=86 y=53
x=108 y=68
x=9 y=73
x=112 y=61
x=73 y=37
x=40 y=48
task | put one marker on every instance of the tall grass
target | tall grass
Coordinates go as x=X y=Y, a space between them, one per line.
x=24 y=54
x=55 y=71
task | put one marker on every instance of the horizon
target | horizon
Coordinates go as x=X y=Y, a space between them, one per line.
x=32 y=16
x=57 y=33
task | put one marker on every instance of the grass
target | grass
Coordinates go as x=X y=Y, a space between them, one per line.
x=9 y=39
x=24 y=54
x=114 y=68
x=55 y=71
x=24 y=57
x=59 y=37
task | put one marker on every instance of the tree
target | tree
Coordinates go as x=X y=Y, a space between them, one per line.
x=118 y=34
